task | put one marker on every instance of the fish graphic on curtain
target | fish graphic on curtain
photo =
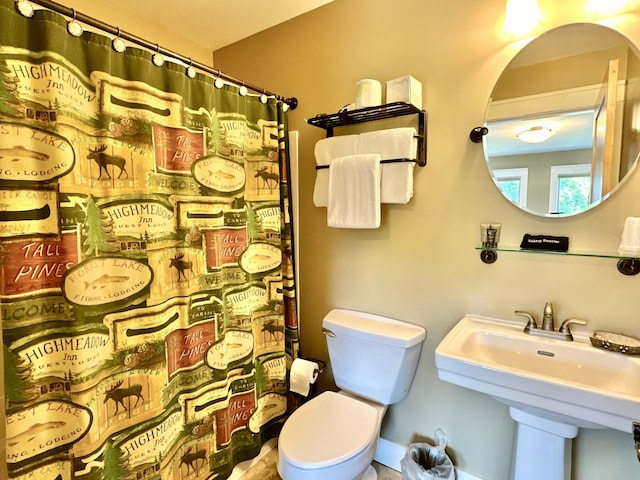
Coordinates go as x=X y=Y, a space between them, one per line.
x=148 y=313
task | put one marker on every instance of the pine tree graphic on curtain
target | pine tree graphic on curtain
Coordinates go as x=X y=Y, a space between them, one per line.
x=147 y=308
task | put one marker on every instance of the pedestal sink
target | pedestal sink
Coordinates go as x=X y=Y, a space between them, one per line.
x=552 y=387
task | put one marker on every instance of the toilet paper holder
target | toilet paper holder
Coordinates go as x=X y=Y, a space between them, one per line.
x=302 y=382
x=321 y=364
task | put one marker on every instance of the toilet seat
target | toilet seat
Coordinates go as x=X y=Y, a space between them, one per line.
x=328 y=430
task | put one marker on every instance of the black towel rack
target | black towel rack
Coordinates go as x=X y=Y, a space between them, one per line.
x=380 y=112
x=389 y=160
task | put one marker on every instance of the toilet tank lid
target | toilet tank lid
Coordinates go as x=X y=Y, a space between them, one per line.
x=373 y=328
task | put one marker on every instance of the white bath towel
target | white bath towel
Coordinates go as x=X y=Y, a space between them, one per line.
x=326 y=150
x=390 y=143
x=354 y=192
x=396 y=185
x=630 y=239
x=397 y=178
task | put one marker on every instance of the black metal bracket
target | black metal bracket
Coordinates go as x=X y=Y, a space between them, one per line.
x=488 y=256
x=477 y=133
x=629 y=266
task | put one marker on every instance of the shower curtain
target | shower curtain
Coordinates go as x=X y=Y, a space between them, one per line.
x=147 y=289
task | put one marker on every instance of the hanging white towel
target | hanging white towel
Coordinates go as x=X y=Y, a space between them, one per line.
x=354 y=192
x=326 y=150
x=397 y=177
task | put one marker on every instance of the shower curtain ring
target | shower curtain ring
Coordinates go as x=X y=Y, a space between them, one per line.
x=219 y=83
x=25 y=8
x=73 y=26
x=243 y=90
x=263 y=97
x=117 y=43
x=191 y=72
x=157 y=58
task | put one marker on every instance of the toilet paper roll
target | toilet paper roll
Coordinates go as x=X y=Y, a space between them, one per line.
x=368 y=93
x=304 y=373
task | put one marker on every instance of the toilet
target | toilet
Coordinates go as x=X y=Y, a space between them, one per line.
x=335 y=435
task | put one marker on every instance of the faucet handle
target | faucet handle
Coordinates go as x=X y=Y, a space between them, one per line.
x=531 y=324
x=564 y=328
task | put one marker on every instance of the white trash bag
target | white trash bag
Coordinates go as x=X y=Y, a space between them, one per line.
x=426 y=462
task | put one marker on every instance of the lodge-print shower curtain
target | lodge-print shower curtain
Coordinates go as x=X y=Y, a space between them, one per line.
x=147 y=286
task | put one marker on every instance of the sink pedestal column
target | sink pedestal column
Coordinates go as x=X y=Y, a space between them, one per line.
x=543 y=448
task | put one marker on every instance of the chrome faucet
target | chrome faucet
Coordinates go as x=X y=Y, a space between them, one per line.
x=548 y=318
x=548 y=329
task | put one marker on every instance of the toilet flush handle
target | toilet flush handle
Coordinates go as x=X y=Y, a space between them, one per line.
x=328 y=332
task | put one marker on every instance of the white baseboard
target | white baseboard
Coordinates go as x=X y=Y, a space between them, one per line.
x=465 y=476
x=389 y=454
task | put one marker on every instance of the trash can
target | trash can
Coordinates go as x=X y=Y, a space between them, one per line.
x=426 y=462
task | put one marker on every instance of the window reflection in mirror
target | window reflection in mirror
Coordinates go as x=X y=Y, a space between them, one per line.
x=580 y=85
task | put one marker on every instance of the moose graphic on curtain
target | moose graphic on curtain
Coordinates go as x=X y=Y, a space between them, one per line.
x=148 y=313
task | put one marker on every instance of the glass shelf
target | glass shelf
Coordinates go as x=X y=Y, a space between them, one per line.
x=570 y=253
x=626 y=265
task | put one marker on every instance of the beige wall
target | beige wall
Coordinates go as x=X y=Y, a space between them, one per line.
x=421 y=265
x=133 y=21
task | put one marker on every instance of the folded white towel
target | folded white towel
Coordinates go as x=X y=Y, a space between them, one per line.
x=630 y=239
x=326 y=150
x=396 y=185
x=397 y=178
x=329 y=148
x=354 y=192
x=390 y=143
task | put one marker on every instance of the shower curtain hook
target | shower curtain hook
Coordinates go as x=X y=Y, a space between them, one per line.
x=24 y=8
x=263 y=97
x=243 y=90
x=219 y=83
x=73 y=26
x=157 y=58
x=191 y=72
x=117 y=43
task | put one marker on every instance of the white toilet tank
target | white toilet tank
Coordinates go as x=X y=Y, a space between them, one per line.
x=371 y=356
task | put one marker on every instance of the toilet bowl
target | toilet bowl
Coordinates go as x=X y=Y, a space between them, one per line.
x=333 y=436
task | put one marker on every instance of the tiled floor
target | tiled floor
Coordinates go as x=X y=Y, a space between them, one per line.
x=385 y=473
x=263 y=467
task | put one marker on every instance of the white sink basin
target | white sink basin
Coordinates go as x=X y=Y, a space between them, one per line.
x=572 y=383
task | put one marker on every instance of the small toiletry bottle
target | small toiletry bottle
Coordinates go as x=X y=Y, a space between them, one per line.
x=490 y=234
x=496 y=227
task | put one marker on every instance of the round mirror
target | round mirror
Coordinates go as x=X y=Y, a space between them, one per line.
x=564 y=120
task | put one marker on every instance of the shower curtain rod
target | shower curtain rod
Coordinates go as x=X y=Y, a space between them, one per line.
x=72 y=13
